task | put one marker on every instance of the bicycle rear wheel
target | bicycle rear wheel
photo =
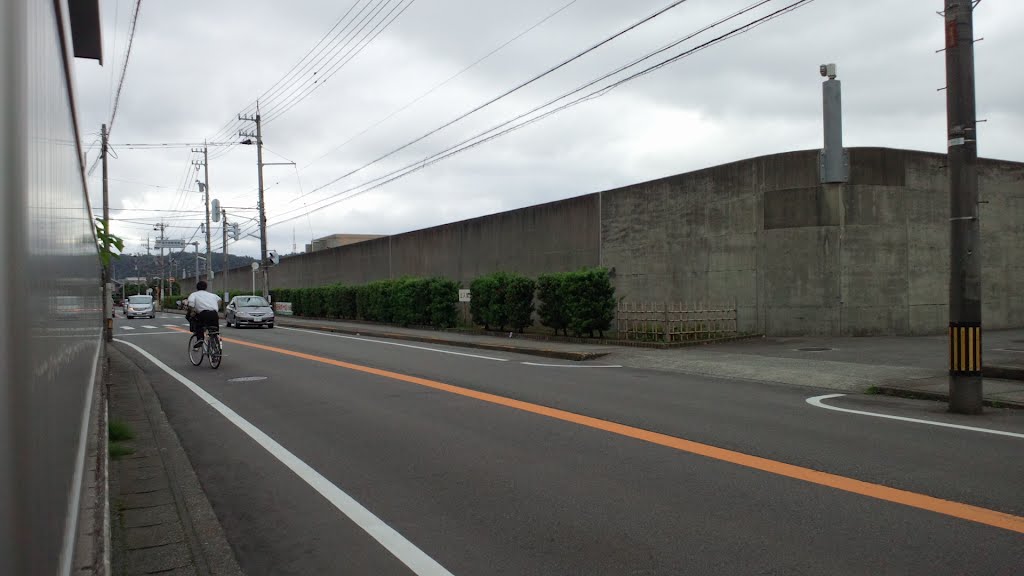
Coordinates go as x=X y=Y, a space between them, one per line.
x=215 y=351
x=195 y=355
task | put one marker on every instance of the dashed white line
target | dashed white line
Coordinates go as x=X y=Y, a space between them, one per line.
x=148 y=326
x=127 y=328
x=572 y=365
x=817 y=401
x=395 y=344
x=149 y=333
x=169 y=326
x=398 y=545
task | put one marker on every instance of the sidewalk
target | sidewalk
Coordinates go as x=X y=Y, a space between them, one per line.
x=916 y=365
x=161 y=521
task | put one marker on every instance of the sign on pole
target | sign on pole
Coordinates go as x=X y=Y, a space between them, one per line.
x=169 y=243
x=464 y=295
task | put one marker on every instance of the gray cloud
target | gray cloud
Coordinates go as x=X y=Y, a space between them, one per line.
x=195 y=65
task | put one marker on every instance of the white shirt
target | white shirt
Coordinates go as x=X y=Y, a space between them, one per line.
x=203 y=300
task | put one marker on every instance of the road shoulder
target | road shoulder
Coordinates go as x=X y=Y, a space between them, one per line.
x=161 y=520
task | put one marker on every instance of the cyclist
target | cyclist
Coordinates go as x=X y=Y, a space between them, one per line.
x=203 y=307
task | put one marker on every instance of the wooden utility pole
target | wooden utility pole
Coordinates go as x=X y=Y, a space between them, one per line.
x=108 y=305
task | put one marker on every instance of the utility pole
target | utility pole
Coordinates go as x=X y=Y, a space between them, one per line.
x=224 y=229
x=108 y=321
x=965 y=369
x=163 y=272
x=262 y=204
x=204 y=187
x=264 y=263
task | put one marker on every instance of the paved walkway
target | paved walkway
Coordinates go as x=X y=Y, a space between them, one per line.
x=886 y=364
x=901 y=364
x=161 y=521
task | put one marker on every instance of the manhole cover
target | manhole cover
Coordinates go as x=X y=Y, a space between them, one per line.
x=247 y=379
x=813 y=349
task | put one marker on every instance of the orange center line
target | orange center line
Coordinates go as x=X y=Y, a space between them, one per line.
x=912 y=499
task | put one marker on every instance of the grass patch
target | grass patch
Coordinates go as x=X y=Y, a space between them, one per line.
x=873 y=390
x=118 y=450
x=118 y=431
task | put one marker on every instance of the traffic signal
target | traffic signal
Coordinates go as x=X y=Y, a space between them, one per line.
x=233 y=231
x=273 y=257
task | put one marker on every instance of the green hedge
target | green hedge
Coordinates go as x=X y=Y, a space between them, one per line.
x=406 y=301
x=502 y=300
x=581 y=301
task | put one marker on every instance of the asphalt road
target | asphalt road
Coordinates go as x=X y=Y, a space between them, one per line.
x=373 y=457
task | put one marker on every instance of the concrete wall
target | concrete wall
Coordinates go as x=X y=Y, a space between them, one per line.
x=795 y=256
x=556 y=236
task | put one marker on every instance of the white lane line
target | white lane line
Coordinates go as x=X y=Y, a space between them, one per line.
x=127 y=328
x=318 y=333
x=817 y=401
x=573 y=365
x=170 y=325
x=149 y=334
x=405 y=551
x=149 y=326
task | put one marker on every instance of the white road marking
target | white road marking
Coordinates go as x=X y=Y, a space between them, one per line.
x=149 y=333
x=127 y=328
x=1010 y=350
x=817 y=401
x=404 y=550
x=169 y=325
x=573 y=365
x=318 y=333
x=149 y=326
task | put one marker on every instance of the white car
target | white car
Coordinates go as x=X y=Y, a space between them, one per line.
x=140 y=305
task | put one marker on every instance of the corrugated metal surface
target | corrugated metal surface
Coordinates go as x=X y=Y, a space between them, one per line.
x=50 y=319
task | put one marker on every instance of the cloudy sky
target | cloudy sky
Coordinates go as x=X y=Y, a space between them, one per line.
x=344 y=83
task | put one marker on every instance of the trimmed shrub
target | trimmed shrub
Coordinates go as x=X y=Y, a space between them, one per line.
x=589 y=301
x=443 y=312
x=502 y=299
x=551 y=294
x=519 y=302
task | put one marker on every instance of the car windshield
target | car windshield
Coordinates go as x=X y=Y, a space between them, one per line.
x=139 y=299
x=252 y=302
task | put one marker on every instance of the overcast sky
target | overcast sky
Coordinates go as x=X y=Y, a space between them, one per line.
x=195 y=65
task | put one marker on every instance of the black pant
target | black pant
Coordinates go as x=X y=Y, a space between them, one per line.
x=204 y=319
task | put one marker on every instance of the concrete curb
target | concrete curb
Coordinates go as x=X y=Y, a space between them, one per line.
x=925 y=395
x=371 y=333
x=1004 y=372
x=557 y=354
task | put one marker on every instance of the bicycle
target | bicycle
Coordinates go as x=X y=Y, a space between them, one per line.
x=211 y=348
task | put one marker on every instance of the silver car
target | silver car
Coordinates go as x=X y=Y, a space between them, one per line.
x=140 y=305
x=249 y=311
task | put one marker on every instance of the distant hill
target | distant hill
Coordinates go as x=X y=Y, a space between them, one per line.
x=178 y=265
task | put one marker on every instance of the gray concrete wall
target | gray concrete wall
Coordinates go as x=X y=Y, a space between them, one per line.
x=550 y=237
x=796 y=257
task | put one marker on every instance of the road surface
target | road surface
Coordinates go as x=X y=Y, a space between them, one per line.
x=330 y=454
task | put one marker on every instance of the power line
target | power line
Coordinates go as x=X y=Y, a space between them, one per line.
x=483 y=137
x=412 y=102
x=507 y=93
x=336 y=65
x=124 y=67
x=232 y=125
x=446 y=81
